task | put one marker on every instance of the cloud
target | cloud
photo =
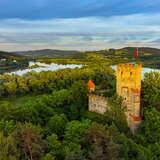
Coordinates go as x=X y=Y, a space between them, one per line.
x=87 y=33
x=50 y=9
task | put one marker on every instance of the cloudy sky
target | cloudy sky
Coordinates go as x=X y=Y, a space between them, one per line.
x=78 y=24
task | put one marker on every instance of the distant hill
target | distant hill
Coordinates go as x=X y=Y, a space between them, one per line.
x=48 y=53
x=143 y=50
x=148 y=56
x=8 y=55
x=65 y=53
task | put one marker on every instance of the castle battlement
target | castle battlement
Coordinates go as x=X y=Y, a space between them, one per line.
x=129 y=75
x=128 y=69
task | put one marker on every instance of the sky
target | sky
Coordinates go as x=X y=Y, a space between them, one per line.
x=78 y=24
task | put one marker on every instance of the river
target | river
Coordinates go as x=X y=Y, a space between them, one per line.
x=53 y=67
x=44 y=67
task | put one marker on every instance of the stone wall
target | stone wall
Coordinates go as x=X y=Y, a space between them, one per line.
x=97 y=103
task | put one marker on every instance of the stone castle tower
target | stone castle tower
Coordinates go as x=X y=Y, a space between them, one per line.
x=129 y=88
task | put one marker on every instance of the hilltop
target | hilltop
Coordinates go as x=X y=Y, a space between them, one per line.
x=48 y=53
x=8 y=55
x=142 y=50
x=66 y=53
x=150 y=57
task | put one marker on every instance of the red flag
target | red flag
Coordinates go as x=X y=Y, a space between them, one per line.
x=136 y=53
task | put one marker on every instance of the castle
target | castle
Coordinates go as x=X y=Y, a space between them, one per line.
x=128 y=86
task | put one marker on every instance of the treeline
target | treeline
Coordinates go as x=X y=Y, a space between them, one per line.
x=49 y=81
x=39 y=108
x=9 y=65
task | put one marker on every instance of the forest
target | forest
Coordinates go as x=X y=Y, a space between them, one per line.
x=44 y=116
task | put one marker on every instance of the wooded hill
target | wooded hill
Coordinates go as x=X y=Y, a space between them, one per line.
x=65 y=53
x=48 y=53
x=8 y=55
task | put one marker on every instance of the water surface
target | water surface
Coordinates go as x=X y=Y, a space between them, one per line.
x=44 y=67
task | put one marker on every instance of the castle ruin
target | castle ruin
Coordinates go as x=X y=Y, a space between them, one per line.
x=97 y=103
x=129 y=88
